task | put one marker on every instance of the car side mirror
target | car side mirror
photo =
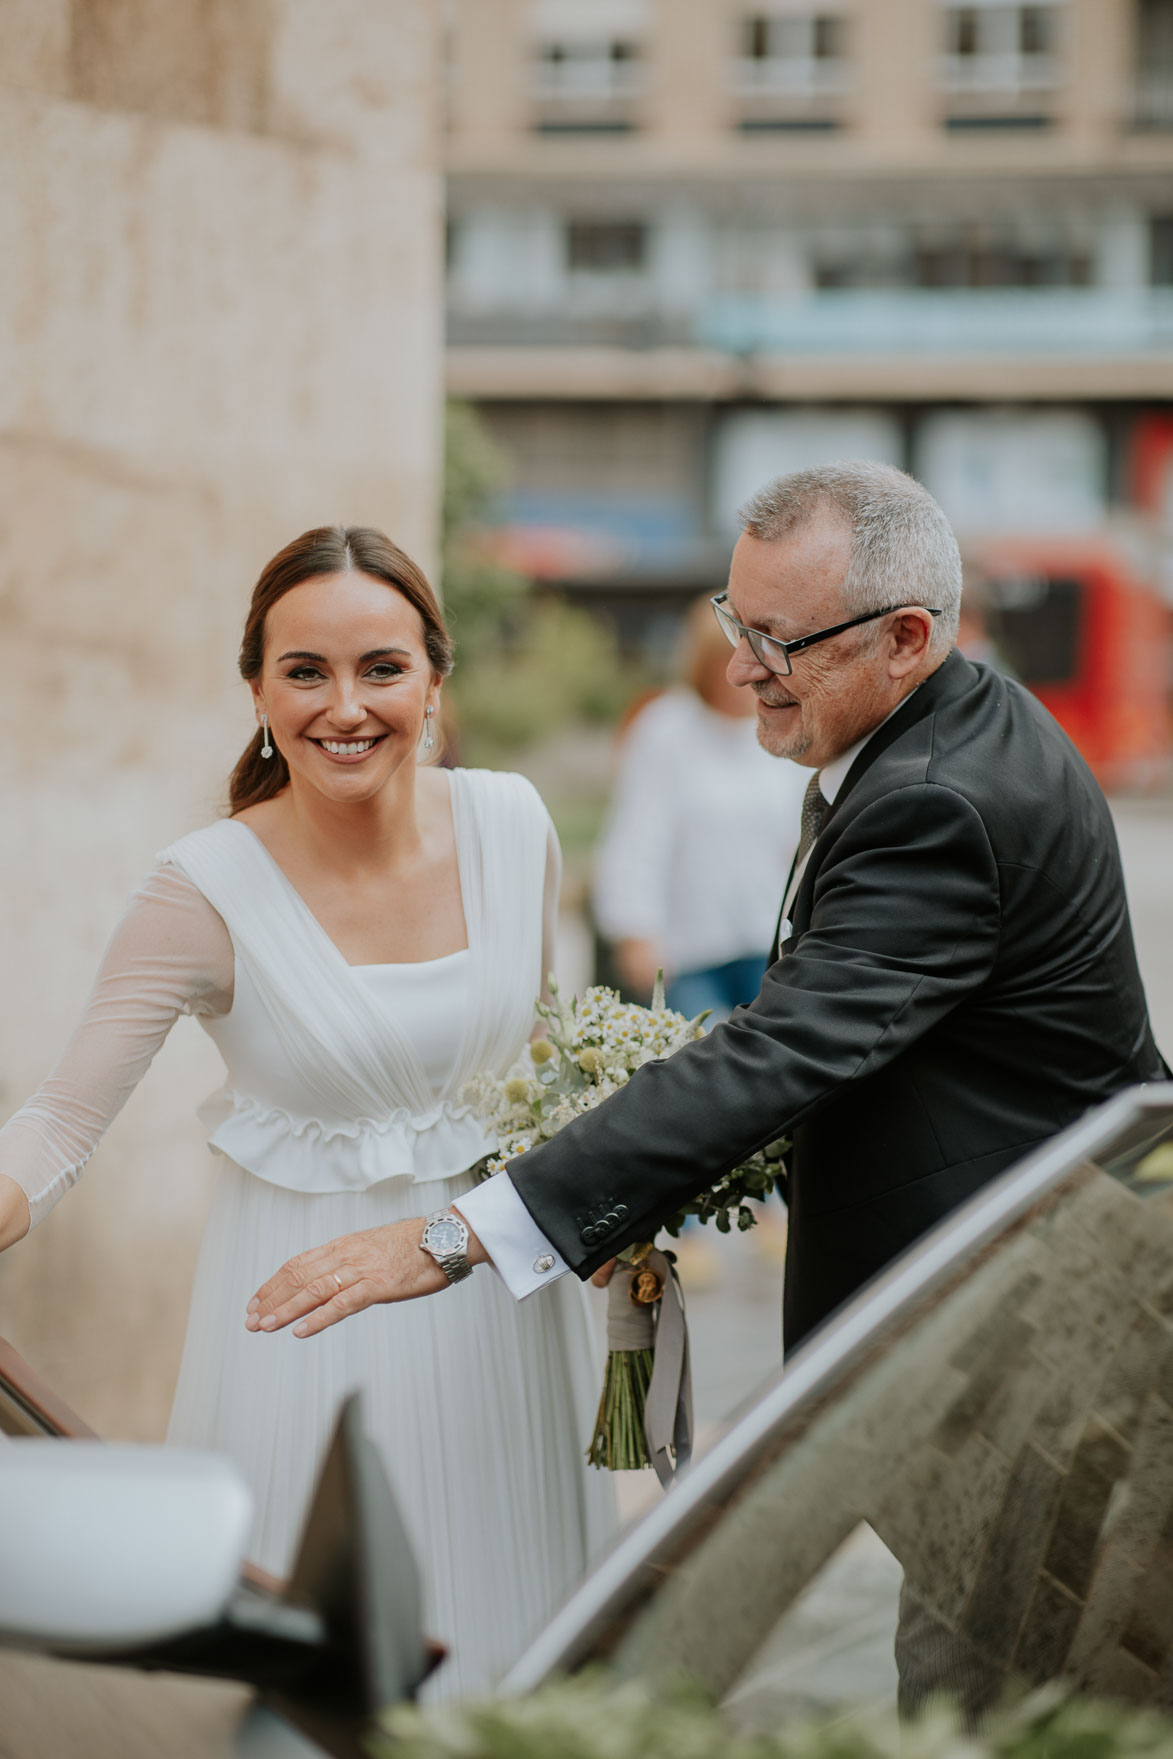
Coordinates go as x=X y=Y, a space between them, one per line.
x=105 y=1547
x=132 y=1556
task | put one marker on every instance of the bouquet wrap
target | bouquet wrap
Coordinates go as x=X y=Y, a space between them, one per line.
x=658 y=1326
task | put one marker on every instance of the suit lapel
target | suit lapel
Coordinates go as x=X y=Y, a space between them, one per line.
x=953 y=677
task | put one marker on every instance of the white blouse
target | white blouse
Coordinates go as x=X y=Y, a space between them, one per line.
x=337 y=1076
x=700 y=837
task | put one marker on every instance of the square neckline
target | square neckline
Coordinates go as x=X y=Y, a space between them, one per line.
x=386 y=965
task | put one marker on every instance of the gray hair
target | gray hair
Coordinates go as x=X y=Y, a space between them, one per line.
x=903 y=551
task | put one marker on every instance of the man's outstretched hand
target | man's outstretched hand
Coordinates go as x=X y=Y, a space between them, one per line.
x=330 y=1282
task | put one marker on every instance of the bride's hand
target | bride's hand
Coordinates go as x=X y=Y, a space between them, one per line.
x=14 y=1212
x=329 y=1283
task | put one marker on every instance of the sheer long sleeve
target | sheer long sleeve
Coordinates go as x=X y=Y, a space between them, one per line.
x=169 y=955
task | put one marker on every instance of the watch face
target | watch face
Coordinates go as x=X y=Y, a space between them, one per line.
x=445 y=1236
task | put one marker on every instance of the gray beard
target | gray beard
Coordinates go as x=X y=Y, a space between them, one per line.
x=797 y=747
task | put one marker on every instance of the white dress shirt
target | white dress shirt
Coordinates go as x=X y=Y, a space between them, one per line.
x=831 y=779
x=520 y=1252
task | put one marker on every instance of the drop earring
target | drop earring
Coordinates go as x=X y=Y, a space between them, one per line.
x=267 y=747
x=428 y=739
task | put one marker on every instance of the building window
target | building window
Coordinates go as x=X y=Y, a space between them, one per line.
x=587 y=86
x=1035 y=30
x=952 y=258
x=1154 y=64
x=791 y=69
x=606 y=247
x=1000 y=59
x=794 y=40
x=965 y=262
x=1161 y=250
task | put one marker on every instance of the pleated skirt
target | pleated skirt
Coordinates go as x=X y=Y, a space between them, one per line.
x=481 y=1407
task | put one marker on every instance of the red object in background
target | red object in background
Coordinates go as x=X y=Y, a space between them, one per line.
x=1150 y=467
x=1093 y=642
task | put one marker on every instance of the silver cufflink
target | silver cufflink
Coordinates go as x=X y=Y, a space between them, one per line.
x=544 y=1263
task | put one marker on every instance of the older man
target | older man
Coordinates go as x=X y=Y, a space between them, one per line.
x=955 y=979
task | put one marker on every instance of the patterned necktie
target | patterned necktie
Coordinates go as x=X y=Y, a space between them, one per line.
x=814 y=811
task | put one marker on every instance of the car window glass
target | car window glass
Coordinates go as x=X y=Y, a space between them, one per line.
x=1006 y=1443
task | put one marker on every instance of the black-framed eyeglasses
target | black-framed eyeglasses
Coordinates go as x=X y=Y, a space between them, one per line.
x=775 y=654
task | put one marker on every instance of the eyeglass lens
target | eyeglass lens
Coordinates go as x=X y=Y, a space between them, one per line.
x=765 y=652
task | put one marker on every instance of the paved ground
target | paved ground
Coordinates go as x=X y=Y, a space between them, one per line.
x=837 y=1643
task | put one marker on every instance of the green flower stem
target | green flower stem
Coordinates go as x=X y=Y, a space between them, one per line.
x=618 y=1444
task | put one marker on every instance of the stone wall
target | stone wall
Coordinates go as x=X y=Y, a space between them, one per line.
x=220 y=323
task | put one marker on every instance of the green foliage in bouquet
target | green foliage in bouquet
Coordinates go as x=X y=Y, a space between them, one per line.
x=588 y=1717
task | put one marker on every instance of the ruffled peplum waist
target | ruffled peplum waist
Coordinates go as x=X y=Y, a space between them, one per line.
x=303 y=1154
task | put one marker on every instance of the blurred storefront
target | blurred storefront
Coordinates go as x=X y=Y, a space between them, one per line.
x=694 y=243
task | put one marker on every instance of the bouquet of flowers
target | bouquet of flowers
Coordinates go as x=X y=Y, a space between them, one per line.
x=593 y=1048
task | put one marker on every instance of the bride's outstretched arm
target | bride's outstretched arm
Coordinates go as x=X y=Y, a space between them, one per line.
x=170 y=954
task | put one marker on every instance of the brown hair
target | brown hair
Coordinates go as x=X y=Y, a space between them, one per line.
x=700 y=638
x=328 y=549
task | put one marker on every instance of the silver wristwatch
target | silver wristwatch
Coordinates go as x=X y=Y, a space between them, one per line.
x=446 y=1238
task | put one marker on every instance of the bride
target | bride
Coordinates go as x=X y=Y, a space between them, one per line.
x=361 y=936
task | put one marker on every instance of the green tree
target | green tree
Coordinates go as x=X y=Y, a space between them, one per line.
x=527 y=664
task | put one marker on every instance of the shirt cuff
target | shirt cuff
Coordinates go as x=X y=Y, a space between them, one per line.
x=521 y=1254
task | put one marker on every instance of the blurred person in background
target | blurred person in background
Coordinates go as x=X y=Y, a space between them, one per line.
x=699 y=840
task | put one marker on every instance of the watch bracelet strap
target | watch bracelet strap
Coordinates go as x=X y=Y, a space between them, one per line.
x=455 y=1266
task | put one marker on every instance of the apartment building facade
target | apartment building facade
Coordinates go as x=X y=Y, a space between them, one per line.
x=696 y=242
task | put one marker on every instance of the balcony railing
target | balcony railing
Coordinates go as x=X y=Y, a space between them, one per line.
x=1091 y=323
x=790 y=76
x=587 y=79
x=995 y=321
x=1000 y=74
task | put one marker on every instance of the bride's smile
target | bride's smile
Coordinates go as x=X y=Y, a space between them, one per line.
x=353 y=749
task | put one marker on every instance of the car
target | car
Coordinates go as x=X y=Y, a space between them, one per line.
x=993 y=1416
x=973 y=1461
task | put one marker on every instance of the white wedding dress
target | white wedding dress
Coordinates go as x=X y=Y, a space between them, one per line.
x=341 y=1110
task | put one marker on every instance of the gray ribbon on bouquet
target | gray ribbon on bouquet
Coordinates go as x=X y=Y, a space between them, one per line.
x=661 y=1327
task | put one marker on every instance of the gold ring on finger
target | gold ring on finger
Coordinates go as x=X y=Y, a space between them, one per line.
x=338 y=1280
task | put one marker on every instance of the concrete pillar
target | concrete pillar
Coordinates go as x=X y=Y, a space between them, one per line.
x=682 y=255
x=1096 y=52
x=896 y=99
x=488 y=78
x=1122 y=246
x=691 y=58
x=220 y=323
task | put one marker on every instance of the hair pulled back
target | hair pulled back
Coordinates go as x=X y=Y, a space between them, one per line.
x=328 y=549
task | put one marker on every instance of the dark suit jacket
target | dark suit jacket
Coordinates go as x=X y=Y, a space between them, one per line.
x=960 y=984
